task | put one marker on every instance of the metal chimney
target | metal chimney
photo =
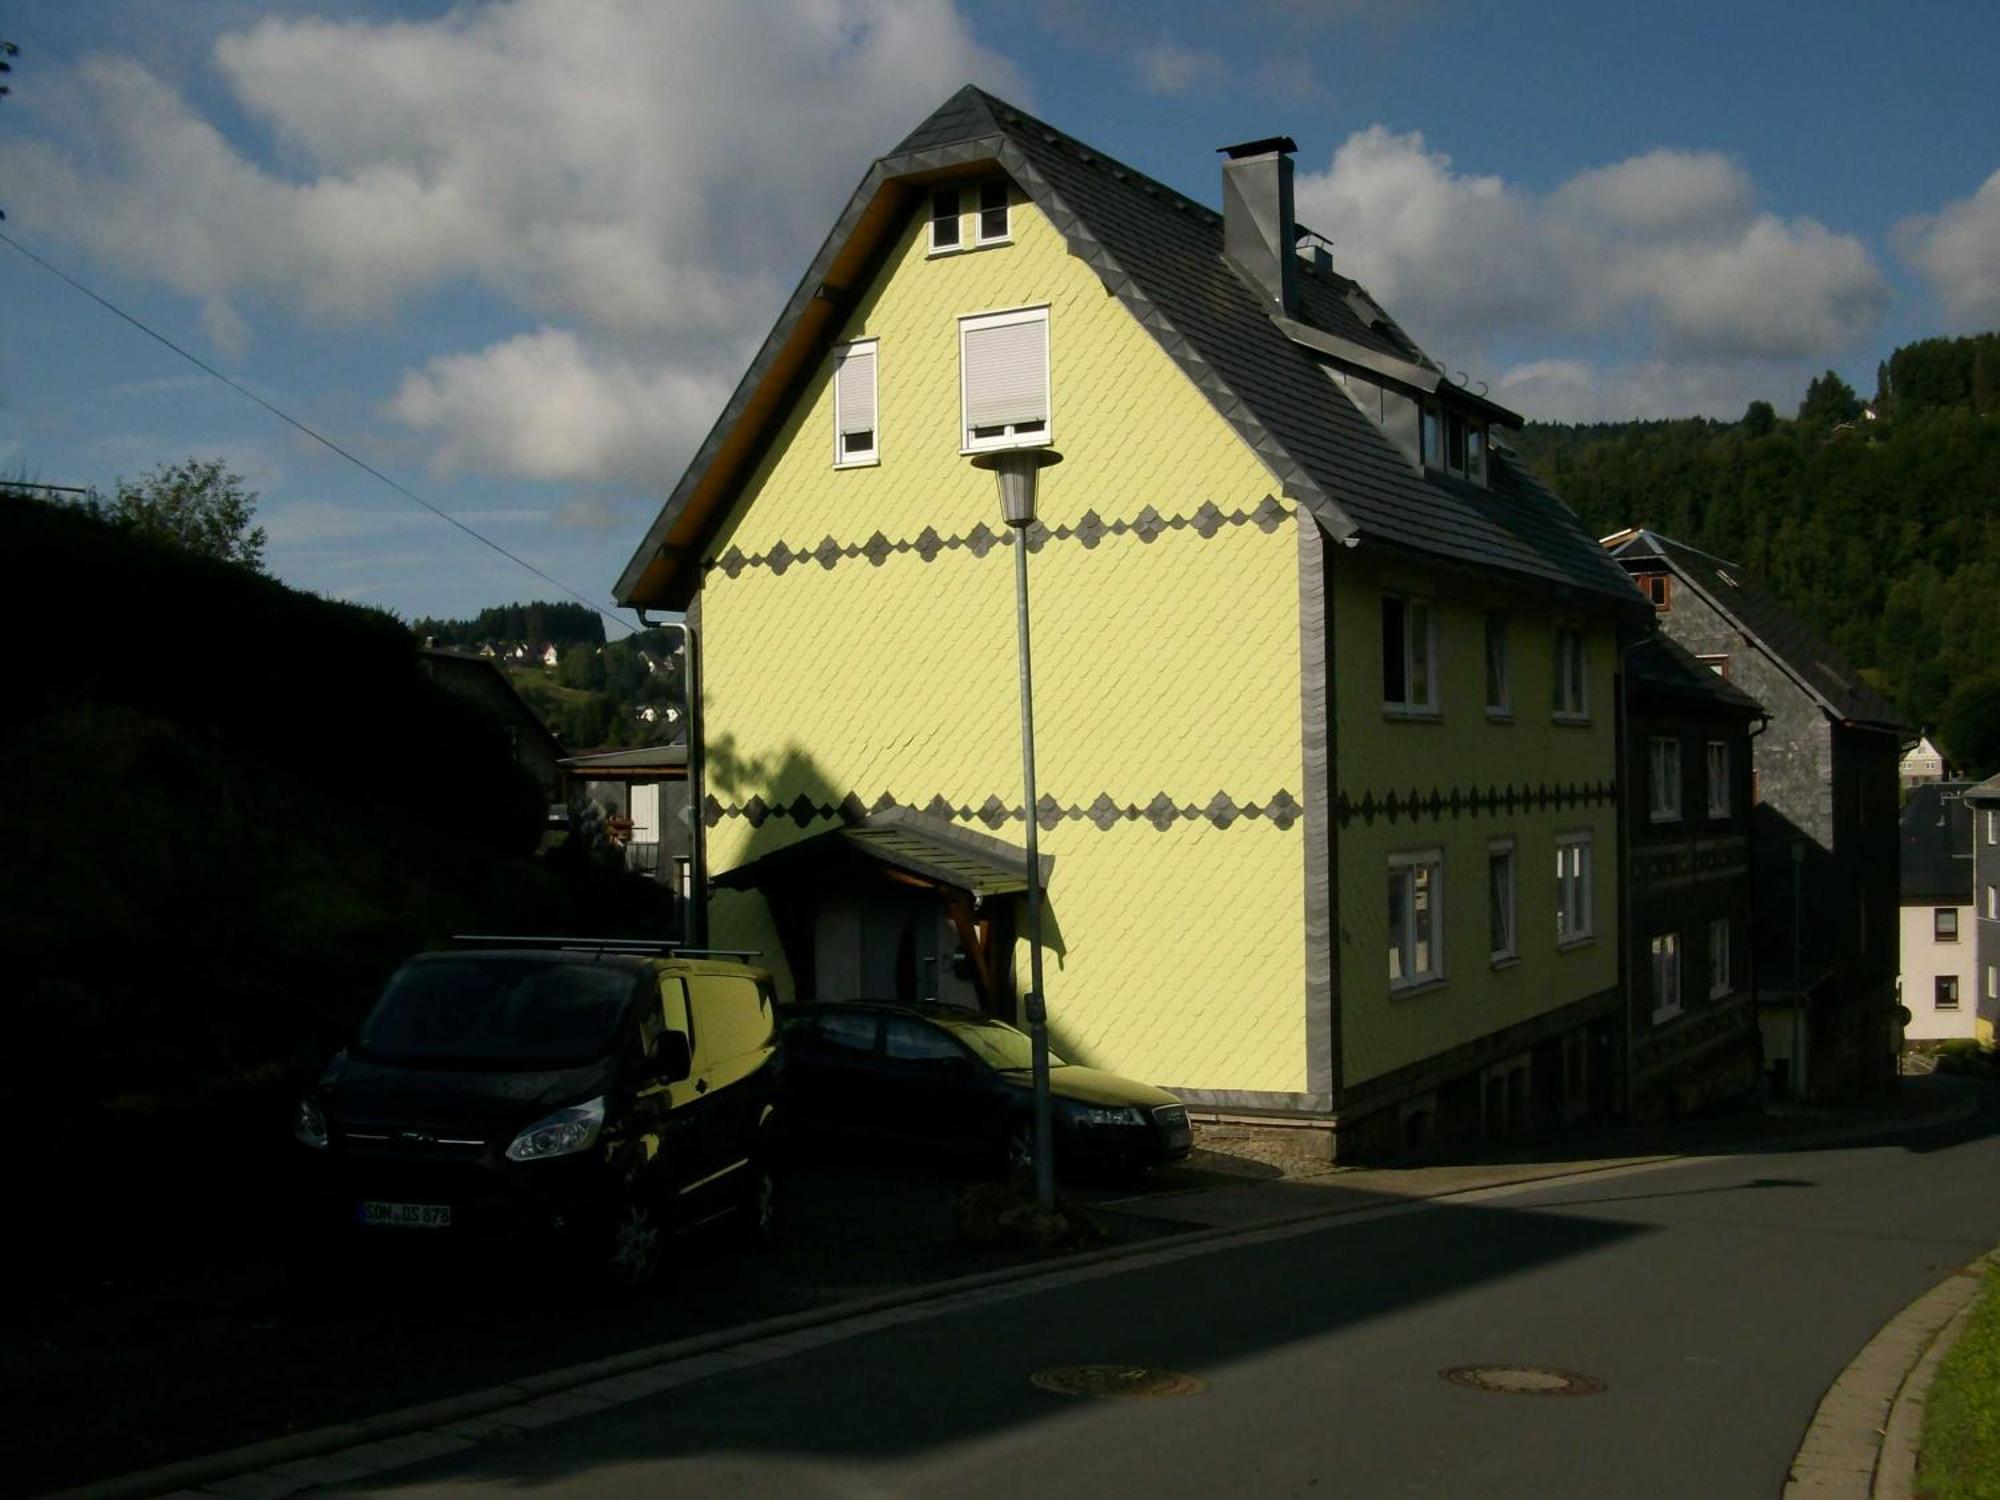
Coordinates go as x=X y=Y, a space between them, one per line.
x=1257 y=226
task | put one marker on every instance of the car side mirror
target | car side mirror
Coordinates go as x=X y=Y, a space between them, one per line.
x=673 y=1060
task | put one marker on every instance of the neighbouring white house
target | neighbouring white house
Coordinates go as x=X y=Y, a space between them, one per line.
x=550 y=656
x=1938 y=957
x=1924 y=763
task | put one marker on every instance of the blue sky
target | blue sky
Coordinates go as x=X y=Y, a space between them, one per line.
x=517 y=253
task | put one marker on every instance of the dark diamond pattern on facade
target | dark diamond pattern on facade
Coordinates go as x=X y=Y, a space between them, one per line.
x=1090 y=529
x=993 y=812
x=1492 y=802
x=1162 y=812
x=1048 y=811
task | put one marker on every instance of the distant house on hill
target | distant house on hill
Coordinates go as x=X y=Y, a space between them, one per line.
x=549 y=655
x=1924 y=763
x=1824 y=783
x=1939 y=935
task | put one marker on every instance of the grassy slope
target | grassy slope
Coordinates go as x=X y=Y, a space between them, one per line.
x=1961 y=1438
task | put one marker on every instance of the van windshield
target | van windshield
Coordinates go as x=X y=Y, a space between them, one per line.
x=514 y=1013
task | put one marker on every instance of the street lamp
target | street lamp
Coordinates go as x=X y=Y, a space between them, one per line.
x=1018 y=470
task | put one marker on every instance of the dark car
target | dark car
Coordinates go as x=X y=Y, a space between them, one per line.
x=942 y=1077
x=598 y=1097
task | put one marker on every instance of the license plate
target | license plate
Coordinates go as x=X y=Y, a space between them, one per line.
x=406 y=1215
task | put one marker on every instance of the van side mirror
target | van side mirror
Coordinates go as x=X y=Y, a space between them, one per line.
x=672 y=1058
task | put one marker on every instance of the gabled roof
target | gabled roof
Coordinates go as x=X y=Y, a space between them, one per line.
x=1660 y=668
x=1809 y=661
x=905 y=839
x=1161 y=254
x=1985 y=793
x=1936 y=857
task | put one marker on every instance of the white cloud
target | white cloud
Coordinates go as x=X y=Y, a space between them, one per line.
x=1958 y=251
x=1669 y=245
x=1584 y=390
x=1166 y=67
x=545 y=406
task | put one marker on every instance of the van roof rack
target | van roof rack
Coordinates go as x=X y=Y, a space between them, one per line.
x=600 y=945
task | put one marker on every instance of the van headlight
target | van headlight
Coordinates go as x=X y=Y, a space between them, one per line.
x=563 y=1133
x=309 y=1125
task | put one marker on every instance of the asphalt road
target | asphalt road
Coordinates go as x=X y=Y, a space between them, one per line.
x=1715 y=1301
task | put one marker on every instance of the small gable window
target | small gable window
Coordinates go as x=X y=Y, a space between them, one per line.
x=1455 y=443
x=944 y=219
x=1004 y=379
x=1658 y=589
x=854 y=437
x=993 y=224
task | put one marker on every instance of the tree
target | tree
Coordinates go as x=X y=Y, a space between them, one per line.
x=1759 y=417
x=1969 y=727
x=196 y=505
x=1829 y=402
x=581 y=667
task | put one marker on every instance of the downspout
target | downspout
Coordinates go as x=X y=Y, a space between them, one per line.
x=1620 y=765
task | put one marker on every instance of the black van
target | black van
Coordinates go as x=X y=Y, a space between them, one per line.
x=600 y=1094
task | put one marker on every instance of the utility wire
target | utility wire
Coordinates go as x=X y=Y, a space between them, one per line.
x=326 y=442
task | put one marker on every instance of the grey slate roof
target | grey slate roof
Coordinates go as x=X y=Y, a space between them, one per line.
x=1161 y=254
x=1985 y=793
x=903 y=839
x=1815 y=664
x=1659 y=668
x=1936 y=857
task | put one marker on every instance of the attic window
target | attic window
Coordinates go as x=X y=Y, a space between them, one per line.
x=1004 y=379
x=854 y=440
x=1455 y=443
x=1659 y=588
x=993 y=225
x=944 y=220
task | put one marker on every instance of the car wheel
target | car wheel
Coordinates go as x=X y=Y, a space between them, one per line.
x=757 y=1213
x=634 y=1249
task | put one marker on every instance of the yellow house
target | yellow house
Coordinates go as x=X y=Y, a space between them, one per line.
x=1323 y=679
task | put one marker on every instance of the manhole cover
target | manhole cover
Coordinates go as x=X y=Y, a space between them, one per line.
x=1523 y=1380
x=1116 y=1380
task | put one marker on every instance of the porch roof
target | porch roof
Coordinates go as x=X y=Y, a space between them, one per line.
x=905 y=840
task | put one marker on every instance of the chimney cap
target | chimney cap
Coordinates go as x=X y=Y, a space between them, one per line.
x=1280 y=143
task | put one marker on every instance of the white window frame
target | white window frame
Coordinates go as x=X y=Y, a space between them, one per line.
x=1571 y=642
x=1938 y=983
x=1721 y=978
x=1939 y=916
x=1718 y=778
x=979 y=211
x=842 y=459
x=1992 y=826
x=1665 y=946
x=1663 y=778
x=1993 y=981
x=1576 y=894
x=972 y=323
x=933 y=218
x=1411 y=860
x=1498 y=629
x=1992 y=902
x=1497 y=849
x=1408 y=707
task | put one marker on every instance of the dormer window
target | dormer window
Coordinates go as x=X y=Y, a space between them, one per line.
x=1455 y=443
x=1659 y=589
x=944 y=220
x=993 y=225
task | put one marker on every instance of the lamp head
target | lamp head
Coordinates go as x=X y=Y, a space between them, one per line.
x=1017 y=470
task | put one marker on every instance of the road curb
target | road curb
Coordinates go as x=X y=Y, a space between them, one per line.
x=1862 y=1441
x=348 y=1450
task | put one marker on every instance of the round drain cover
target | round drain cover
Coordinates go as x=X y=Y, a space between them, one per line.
x=1116 y=1380
x=1523 y=1380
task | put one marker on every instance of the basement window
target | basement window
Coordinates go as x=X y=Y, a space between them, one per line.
x=1003 y=363
x=854 y=435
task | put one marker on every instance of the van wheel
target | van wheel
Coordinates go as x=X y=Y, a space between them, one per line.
x=757 y=1212
x=634 y=1250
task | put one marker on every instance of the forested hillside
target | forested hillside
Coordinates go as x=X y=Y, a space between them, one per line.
x=541 y=622
x=1879 y=525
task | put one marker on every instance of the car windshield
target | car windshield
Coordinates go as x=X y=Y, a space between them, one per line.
x=998 y=1043
x=517 y=1013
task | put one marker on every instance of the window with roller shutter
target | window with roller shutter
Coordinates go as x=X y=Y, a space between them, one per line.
x=854 y=432
x=1004 y=379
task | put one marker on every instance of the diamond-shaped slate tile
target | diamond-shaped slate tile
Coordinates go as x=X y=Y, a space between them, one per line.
x=1208 y=520
x=1103 y=812
x=1283 y=809
x=781 y=557
x=1162 y=812
x=827 y=553
x=981 y=540
x=756 y=810
x=993 y=812
x=1048 y=811
x=1221 y=810
x=877 y=549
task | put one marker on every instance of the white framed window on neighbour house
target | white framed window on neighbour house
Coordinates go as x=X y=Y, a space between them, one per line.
x=1409 y=655
x=1003 y=369
x=1720 y=978
x=1499 y=668
x=1502 y=943
x=1569 y=685
x=1663 y=759
x=1666 y=952
x=1944 y=992
x=1573 y=889
x=1993 y=901
x=854 y=416
x=1993 y=982
x=1993 y=827
x=994 y=225
x=947 y=232
x=1718 y=778
x=1416 y=918
x=1944 y=924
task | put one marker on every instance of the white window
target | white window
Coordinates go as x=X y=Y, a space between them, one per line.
x=1003 y=364
x=1944 y=992
x=1573 y=888
x=1433 y=439
x=1993 y=901
x=1993 y=828
x=1993 y=982
x=1499 y=672
x=1568 y=694
x=854 y=403
x=1718 y=778
x=1500 y=916
x=1664 y=779
x=993 y=225
x=1409 y=655
x=1416 y=914
x=1475 y=453
x=1720 y=981
x=945 y=234
x=1944 y=924
x=1666 y=976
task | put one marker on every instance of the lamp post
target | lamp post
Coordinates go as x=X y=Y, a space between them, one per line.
x=1018 y=470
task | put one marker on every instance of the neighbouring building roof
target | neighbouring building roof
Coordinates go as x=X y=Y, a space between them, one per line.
x=662 y=762
x=1162 y=255
x=903 y=839
x=1658 y=668
x=481 y=677
x=1936 y=849
x=1810 y=661
x=1985 y=793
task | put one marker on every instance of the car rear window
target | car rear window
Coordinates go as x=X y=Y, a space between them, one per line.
x=497 y=1012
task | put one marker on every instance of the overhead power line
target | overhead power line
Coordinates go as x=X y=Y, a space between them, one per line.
x=325 y=442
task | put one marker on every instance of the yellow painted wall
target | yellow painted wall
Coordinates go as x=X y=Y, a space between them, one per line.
x=1462 y=747
x=1169 y=666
